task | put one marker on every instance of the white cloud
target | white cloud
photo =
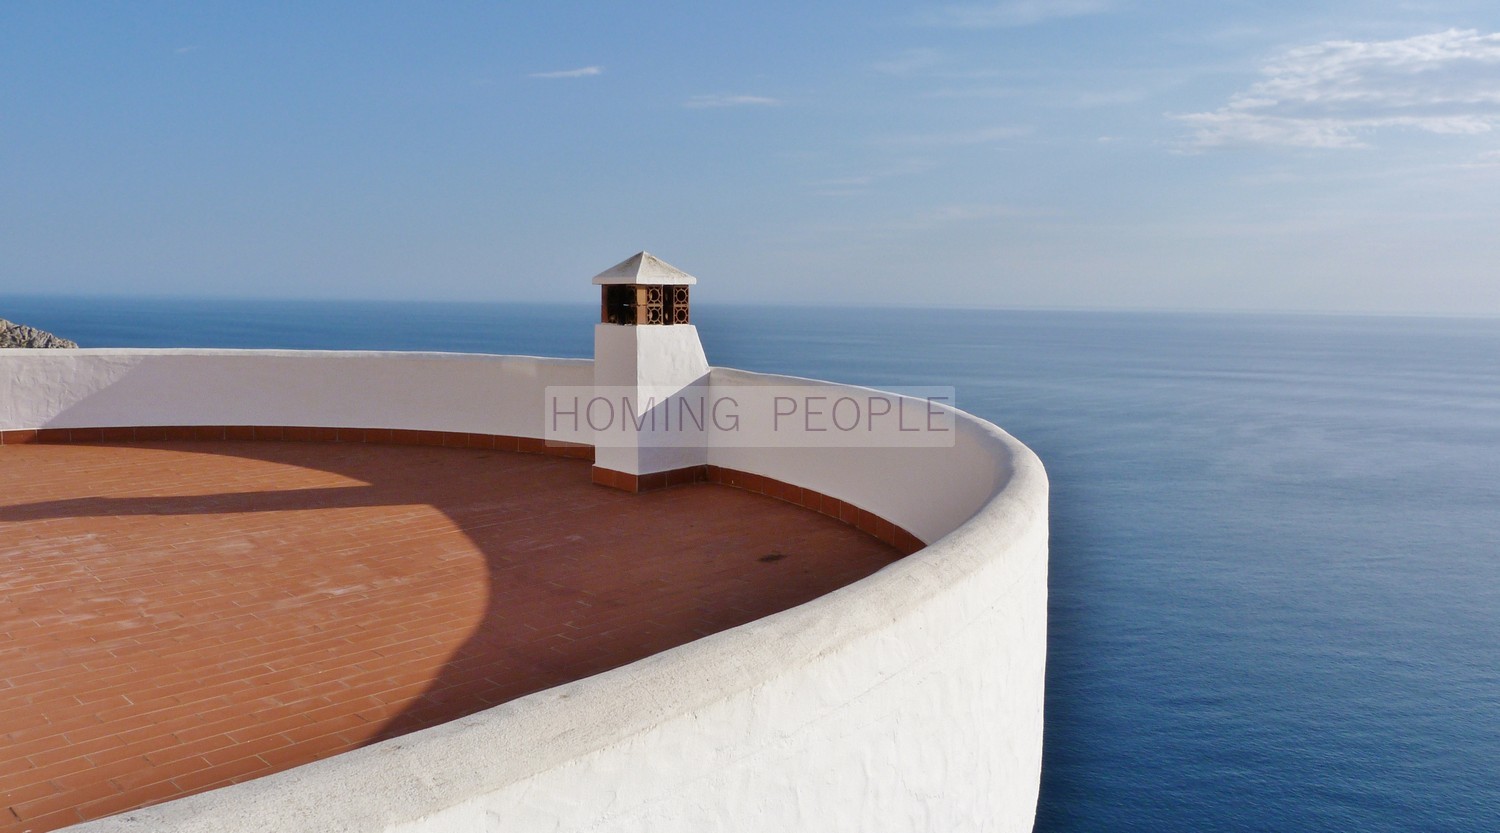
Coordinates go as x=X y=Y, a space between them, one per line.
x=1335 y=93
x=1488 y=159
x=981 y=136
x=978 y=92
x=1111 y=98
x=847 y=181
x=845 y=186
x=928 y=63
x=722 y=100
x=942 y=216
x=1012 y=13
x=969 y=212
x=911 y=62
x=581 y=72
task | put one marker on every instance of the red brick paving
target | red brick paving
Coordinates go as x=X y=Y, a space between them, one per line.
x=180 y=616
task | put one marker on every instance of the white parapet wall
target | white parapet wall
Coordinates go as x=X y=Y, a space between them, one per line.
x=908 y=701
x=928 y=490
x=105 y=388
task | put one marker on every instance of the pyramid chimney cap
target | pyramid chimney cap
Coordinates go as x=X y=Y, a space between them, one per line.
x=644 y=268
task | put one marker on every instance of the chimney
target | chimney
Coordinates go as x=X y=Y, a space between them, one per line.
x=650 y=373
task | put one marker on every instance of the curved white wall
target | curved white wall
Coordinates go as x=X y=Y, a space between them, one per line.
x=911 y=700
x=926 y=490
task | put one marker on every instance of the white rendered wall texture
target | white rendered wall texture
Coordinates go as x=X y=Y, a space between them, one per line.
x=420 y=391
x=908 y=701
x=647 y=363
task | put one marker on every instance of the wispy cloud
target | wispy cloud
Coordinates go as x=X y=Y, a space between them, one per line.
x=978 y=92
x=979 y=136
x=943 y=216
x=860 y=184
x=1011 y=13
x=723 y=100
x=911 y=62
x=581 y=72
x=1108 y=98
x=1335 y=93
x=183 y=50
x=929 y=63
x=1487 y=160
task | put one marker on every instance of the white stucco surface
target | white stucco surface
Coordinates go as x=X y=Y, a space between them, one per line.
x=103 y=388
x=925 y=489
x=908 y=701
x=648 y=363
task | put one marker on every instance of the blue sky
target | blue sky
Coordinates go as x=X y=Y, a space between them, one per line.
x=1122 y=154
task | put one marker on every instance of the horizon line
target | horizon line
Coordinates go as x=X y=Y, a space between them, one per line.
x=812 y=303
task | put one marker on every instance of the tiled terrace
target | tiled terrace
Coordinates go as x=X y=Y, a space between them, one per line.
x=176 y=616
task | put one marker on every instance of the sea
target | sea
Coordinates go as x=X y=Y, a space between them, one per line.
x=1275 y=565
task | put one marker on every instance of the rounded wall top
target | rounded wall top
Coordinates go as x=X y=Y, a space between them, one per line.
x=644 y=268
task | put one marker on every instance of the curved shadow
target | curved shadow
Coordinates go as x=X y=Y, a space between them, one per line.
x=581 y=578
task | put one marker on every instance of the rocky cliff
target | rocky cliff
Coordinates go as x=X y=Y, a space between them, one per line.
x=16 y=335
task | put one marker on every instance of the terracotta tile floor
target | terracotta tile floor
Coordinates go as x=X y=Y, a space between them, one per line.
x=179 y=616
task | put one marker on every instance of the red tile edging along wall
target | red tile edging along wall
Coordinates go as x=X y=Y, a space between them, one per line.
x=383 y=436
x=848 y=513
x=863 y=520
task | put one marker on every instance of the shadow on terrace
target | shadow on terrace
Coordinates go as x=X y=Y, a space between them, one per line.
x=187 y=615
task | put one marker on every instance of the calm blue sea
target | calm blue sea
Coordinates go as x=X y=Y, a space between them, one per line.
x=1275 y=592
